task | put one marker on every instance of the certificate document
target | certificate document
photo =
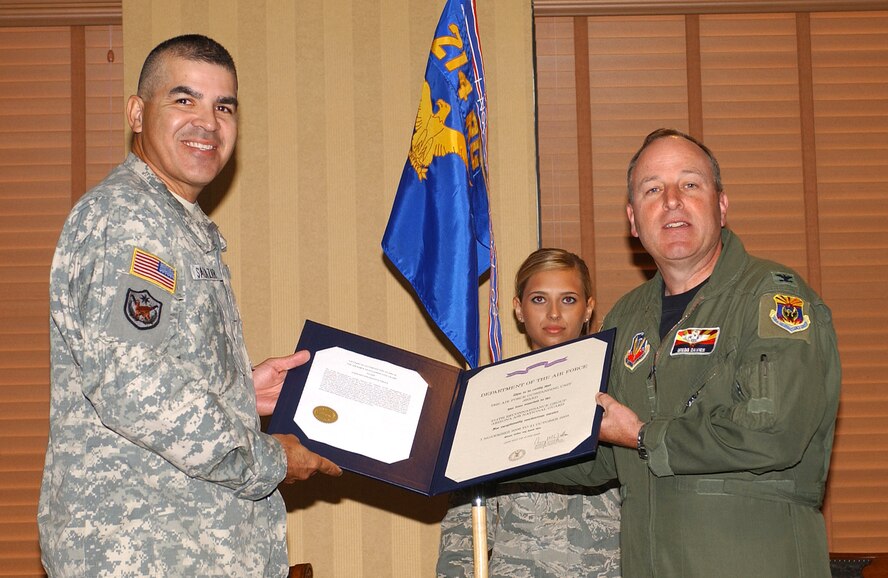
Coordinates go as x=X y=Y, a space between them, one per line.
x=429 y=427
x=361 y=404
x=527 y=410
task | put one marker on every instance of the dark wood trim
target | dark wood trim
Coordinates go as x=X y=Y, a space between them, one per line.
x=876 y=564
x=809 y=150
x=695 y=77
x=656 y=7
x=78 y=112
x=60 y=12
x=584 y=143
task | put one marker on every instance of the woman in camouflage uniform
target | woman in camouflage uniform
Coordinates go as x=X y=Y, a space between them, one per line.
x=542 y=530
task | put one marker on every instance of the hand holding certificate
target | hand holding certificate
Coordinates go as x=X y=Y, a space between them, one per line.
x=417 y=423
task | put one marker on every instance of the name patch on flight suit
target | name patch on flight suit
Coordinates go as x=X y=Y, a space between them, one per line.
x=783 y=315
x=695 y=341
x=638 y=351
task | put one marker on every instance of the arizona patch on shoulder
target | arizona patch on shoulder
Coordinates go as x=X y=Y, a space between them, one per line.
x=151 y=268
x=784 y=315
x=695 y=341
x=638 y=351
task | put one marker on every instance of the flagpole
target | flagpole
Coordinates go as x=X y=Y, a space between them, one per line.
x=479 y=533
x=443 y=188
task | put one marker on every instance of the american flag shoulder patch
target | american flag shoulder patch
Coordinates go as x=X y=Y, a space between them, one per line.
x=152 y=269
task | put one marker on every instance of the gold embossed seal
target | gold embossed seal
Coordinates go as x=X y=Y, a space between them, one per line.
x=325 y=414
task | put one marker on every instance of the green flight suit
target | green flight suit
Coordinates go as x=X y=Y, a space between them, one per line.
x=740 y=398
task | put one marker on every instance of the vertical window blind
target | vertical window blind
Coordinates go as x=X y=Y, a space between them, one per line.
x=61 y=130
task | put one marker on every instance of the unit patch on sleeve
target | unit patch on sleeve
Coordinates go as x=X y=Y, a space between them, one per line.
x=638 y=351
x=782 y=315
x=150 y=268
x=141 y=309
x=695 y=341
x=789 y=313
x=140 y=312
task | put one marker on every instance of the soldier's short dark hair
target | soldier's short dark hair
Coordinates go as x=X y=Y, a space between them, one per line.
x=194 y=47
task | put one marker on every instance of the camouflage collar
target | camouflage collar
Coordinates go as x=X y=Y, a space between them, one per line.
x=204 y=230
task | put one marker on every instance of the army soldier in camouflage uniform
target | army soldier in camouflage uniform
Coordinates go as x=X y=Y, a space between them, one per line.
x=156 y=466
x=542 y=530
x=723 y=390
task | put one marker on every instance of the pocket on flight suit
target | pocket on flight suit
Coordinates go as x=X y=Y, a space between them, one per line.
x=756 y=406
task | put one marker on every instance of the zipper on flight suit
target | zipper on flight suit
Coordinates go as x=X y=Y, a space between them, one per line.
x=653 y=373
x=696 y=394
x=652 y=398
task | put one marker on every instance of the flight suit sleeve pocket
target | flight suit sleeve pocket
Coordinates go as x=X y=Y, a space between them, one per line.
x=757 y=409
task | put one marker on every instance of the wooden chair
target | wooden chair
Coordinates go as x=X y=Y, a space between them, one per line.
x=301 y=571
x=878 y=568
x=859 y=565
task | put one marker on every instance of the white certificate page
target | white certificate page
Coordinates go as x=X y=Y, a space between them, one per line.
x=531 y=409
x=361 y=404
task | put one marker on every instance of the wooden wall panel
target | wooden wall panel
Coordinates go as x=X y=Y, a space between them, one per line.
x=751 y=119
x=57 y=96
x=557 y=133
x=850 y=84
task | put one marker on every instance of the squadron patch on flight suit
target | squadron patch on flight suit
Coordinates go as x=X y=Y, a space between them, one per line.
x=695 y=341
x=638 y=351
x=783 y=315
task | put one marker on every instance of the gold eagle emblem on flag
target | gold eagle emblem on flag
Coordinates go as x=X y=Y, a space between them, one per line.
x=432 y=137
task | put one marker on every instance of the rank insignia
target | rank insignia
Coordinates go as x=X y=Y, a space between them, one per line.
x=782 y=278
x=638 y=351
x=789 y=313
x=141 y=309
x=695 y=341
x=150 y=268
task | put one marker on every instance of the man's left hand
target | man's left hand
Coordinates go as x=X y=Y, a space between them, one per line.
x=620 y=424
x=268 y=378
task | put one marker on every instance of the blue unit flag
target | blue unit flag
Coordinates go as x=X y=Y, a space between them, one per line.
x=439 y=234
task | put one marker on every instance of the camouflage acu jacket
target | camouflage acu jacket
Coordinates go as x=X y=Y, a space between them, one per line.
x=537 y=531
x=155 y=465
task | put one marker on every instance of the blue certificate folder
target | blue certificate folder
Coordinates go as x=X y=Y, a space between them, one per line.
x=423 y=471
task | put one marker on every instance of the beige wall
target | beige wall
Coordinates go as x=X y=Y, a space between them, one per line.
x=328 y=93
